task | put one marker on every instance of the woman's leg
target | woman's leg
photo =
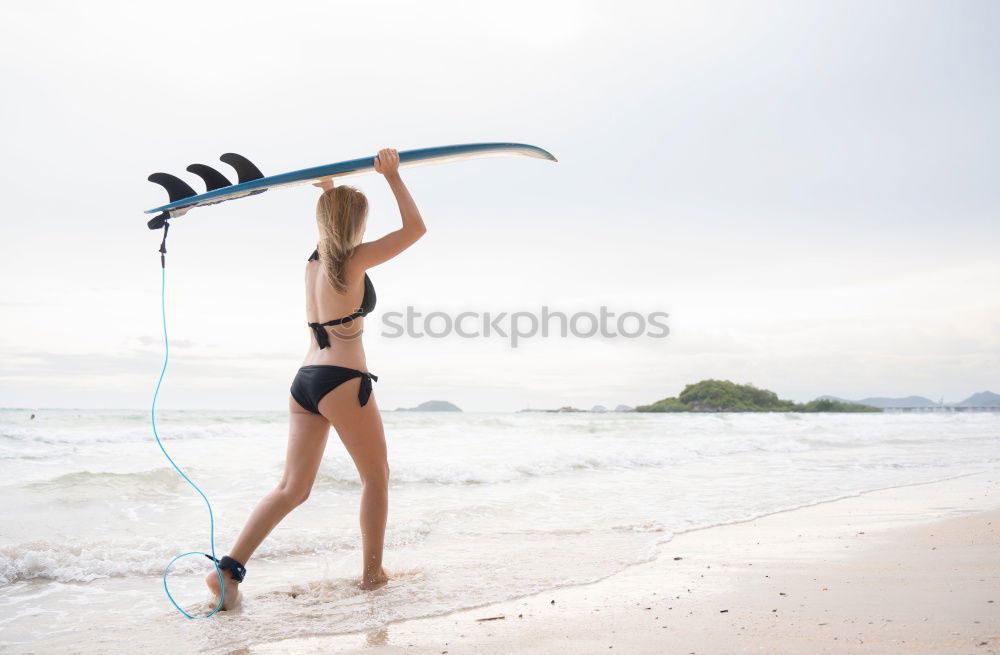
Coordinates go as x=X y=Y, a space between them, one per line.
x=360 y=428
x=307 y=436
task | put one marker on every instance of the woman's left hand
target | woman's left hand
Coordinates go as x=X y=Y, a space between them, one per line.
x=326 y=184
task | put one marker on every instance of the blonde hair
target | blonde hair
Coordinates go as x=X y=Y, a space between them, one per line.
x=340 y=216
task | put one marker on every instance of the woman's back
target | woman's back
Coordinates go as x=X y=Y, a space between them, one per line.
x=338 y=344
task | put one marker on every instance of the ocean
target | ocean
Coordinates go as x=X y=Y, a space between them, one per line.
x=483 y=507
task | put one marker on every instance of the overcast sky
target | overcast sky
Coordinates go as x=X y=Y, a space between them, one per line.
x=809 y=189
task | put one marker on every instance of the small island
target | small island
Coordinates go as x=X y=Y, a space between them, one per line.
x=432 y=406
x=726 y=396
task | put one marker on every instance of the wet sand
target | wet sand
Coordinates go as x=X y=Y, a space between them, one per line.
x=912 y=569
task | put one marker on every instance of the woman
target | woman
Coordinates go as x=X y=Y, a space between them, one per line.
x=333 y=386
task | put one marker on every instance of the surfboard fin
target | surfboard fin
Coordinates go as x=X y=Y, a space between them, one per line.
x=213 y=178
x=245 y=168
x=176 y=188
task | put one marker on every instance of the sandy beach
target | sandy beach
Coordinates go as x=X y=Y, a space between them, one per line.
x=913 y=569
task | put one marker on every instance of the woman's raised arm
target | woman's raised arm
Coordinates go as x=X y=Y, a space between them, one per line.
x=373 y=253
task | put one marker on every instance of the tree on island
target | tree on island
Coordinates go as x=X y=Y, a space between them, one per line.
x=727 y=396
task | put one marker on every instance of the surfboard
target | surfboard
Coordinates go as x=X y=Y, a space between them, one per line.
x=250 y=180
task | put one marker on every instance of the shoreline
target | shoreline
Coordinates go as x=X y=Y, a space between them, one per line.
x=905 y=567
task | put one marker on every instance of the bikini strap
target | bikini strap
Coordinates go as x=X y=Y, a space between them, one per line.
x=322 y=338
x=365 y=391
x=319 y=329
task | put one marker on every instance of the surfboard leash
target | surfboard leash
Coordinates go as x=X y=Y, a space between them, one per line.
x=156 y=393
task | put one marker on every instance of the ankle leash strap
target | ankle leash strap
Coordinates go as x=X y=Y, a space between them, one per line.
x=227 y=563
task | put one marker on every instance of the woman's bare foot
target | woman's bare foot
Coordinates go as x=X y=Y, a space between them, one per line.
x=370 y=581
x=233 y=596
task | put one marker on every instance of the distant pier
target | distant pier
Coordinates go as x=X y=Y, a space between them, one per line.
x=945 y=408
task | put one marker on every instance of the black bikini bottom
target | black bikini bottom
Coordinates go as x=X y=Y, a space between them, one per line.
x=311 y=383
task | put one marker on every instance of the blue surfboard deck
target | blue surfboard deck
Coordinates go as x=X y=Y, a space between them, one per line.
x=219 y=190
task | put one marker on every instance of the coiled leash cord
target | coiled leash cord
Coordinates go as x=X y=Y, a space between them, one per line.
x=211 y=519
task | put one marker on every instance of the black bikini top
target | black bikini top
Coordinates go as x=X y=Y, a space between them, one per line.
x=367 y=305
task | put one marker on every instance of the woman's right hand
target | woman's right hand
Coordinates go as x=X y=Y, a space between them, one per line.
x=387 y=161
